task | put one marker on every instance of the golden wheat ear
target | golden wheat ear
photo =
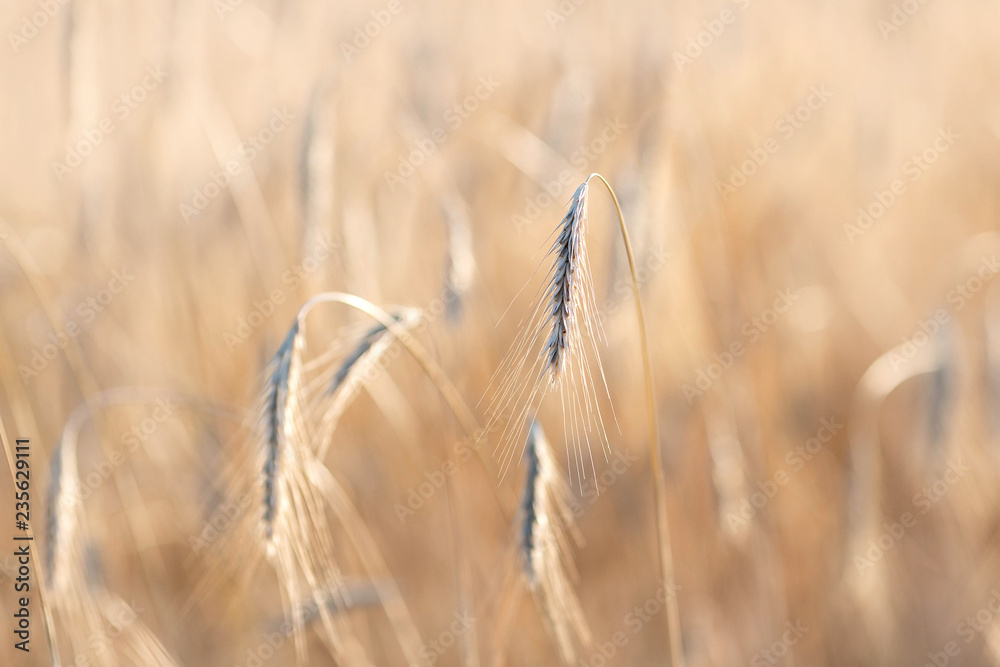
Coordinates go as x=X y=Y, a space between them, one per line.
x=360 y=363
x=290 y=491
x=553 y=352
x=546 y=531
x=80 y=599
x=556 y=352
x=279 y=420
x=292 y=530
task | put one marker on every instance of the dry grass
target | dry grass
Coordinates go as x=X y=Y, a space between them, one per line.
x=546 y=547
x=819 y=377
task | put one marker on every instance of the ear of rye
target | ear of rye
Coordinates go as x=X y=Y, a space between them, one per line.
x=547 y=531
x=556 y=352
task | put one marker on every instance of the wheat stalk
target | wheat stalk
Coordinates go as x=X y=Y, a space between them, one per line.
x=79 y=598
x=295 y=537
x=353 y=371
x=277 y=420
x=562 y=363
x=546 y=526
x=552 y=352
x=656 y=456
x=297 y=413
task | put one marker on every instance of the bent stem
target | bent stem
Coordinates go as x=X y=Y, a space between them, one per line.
x=656 y=457
x=427 y=364
x=416 y=350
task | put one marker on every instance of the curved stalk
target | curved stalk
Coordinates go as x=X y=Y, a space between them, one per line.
x=655 y=455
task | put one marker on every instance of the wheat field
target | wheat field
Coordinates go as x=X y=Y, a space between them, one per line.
x=323 y=354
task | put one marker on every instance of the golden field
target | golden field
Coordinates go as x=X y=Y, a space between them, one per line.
x=811 y=192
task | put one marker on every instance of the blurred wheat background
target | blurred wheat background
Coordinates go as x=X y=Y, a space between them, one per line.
x=812 y=191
